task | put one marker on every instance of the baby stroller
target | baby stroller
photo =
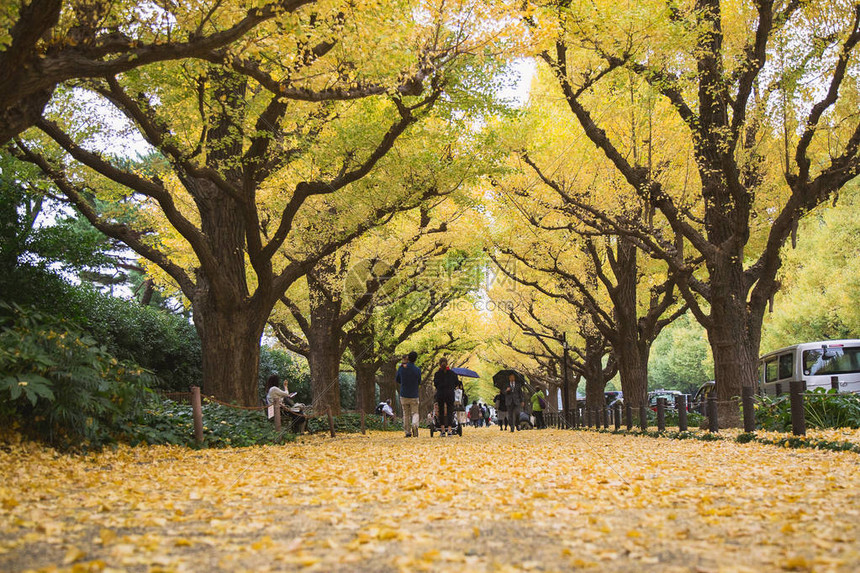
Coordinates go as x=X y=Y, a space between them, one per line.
x=435 y=426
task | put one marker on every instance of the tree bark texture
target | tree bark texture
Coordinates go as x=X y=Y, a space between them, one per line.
x=325 y=350
x=230 y=346
x=387 y=384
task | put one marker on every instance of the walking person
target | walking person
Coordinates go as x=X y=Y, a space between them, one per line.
x=501 y=411
x=514 y=401
x=445 y=382
x=475 y=414
x=538 y=405
x=409 y=379
x=461 y=400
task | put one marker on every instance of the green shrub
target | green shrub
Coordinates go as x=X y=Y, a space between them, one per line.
x=156 y=339
x=169 y=422
x=823 y=409
x=693 y=419
x=61 y=386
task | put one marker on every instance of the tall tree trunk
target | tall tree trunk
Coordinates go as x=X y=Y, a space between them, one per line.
x=735 y=349
x=594 y=388
x=387 y=385
x=230 y=346
x=365 y=385
x=325 y=336
x=361 y=346
x=630 y=344
x=324 y=362
x=593 y=372
x=426 y=394
x=230 y=323
x=734 y=346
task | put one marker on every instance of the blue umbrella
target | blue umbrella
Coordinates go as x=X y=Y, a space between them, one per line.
x=465 y=372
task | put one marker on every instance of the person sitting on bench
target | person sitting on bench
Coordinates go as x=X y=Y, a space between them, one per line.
x=274 y=391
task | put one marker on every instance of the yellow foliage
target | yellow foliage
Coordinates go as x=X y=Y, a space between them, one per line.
x=490 y=501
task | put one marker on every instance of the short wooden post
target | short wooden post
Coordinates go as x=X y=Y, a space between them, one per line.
x=618 y=415
x=643 y=416
x=681 y=406
x=661 y=414
x=277 y=406
x=798 y=416
x=834 y=383
x=748 y=401
x=330 y=421
x=777 y=389
x=606 y=415
x=384 y=422
x=713 y=423
x=197 y=414
x=628 y=414
x=363 y=427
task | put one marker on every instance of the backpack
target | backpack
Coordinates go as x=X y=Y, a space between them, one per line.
x=542 y=403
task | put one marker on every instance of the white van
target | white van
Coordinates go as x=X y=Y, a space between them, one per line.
x=815 y=363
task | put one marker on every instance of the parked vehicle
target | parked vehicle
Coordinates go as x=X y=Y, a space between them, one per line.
x=814 y=363
x=700 y=398
x=613 y=396
x=668 y=394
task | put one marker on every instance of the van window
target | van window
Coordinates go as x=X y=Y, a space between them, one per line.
x=786 y=368
x=832 y=361
x=770 y=370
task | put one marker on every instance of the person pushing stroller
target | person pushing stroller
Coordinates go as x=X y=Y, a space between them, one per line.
x=445 y=382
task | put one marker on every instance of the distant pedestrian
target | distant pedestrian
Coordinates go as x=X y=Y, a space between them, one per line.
x=485 y=410
x=538 y=405
x=445 y=382
x=384 y=409
x=514 y=400
x=475 y=414
x=409 y=379
x=501 y=411
x=461 y=400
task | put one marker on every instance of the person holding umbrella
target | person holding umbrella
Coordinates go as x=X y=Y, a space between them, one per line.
x=514 y=400
x=445 y=382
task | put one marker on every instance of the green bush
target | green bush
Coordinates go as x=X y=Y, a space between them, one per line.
x=169 y=422
x=61 y=386
x=823 y=409
x=693 y=419
x=165 y=343
x=160 y=341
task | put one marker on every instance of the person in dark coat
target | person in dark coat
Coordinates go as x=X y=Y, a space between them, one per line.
x=445 y=381
x=514 y=400
x=408 y=378
x=501 y=411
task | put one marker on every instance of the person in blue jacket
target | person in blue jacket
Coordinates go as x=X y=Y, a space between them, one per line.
x=409 y=378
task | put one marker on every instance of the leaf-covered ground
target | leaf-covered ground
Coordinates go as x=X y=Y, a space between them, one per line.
x=489 y=501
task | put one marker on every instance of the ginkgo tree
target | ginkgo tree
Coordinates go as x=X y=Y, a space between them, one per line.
x=44 y=43
x=542 y=323
x=335 y=303
x=269 y=150
x=761 y=93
